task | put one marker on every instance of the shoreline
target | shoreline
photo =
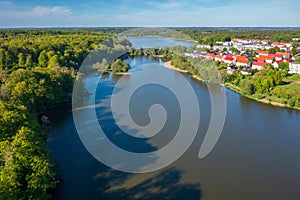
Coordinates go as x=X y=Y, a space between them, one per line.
x=121 y=73
x=168 y=65
x=264 y=100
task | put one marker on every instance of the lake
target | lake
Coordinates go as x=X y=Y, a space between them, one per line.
x=160 y=42
x=256 y=157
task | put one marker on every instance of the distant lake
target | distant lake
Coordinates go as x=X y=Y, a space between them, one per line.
x=138 y=42
x=257 y=156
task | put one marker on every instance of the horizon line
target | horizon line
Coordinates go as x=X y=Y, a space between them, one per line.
x=191 y=26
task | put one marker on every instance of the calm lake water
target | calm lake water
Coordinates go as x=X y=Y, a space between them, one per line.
x=257 y=156
x=157 y=42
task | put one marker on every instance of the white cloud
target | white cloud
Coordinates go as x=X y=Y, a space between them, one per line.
x=12 y=15
x=55 y=10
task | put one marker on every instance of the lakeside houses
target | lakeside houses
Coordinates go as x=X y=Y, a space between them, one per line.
x=243 y=59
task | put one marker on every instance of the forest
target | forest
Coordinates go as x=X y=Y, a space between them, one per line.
x=37 y=71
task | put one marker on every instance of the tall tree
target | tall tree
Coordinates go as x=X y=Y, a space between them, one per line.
x=43 y=59
x=29 y=61
x=54 y=61
x=22 y=59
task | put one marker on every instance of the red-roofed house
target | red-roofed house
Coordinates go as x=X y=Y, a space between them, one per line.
x=210 y=56
x=219 y=58
x=265 y=41
x=283 y=54
x=277 y=63
x=229 y=56
x=261 y=58
x=242 y=63
x=228 y=60
x=258 y=65
x=288 y=60
x=269 y=59
x=282 y=45
x=277 y=56
x=238 y=57
x=262 y=53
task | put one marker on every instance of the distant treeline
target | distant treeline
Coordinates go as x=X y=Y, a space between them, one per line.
x=206 y=36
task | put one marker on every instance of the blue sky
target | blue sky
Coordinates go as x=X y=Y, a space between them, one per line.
x=53 y=13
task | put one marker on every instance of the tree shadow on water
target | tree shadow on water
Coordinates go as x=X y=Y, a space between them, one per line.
x=114 y=185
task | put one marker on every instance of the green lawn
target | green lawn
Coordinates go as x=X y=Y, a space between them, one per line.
x=291 y=87
x=295 y=77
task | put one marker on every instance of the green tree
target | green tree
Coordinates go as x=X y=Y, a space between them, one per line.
x=247 y=87
x=29 y=62
x=272 y=50
x=119 y=66
x=22 y=59
x=277 y=78
x=2 y=58
x=284 y=66
x=43 y=59
x=54 y=61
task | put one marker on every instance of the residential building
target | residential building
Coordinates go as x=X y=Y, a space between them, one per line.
x=219 y=58
x=284 y=54
x=277 y=63
x=258 y=65
x=294 y=68
x=262 y=53
x=245 y=72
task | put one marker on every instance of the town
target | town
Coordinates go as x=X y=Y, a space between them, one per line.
x=245 y=55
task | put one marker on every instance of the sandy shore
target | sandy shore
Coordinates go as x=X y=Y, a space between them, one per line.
x=122 y=73
x=168 y=65
x=266 y=101
x=197 y=77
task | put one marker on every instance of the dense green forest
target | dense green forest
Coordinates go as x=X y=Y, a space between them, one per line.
x=37 y=71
